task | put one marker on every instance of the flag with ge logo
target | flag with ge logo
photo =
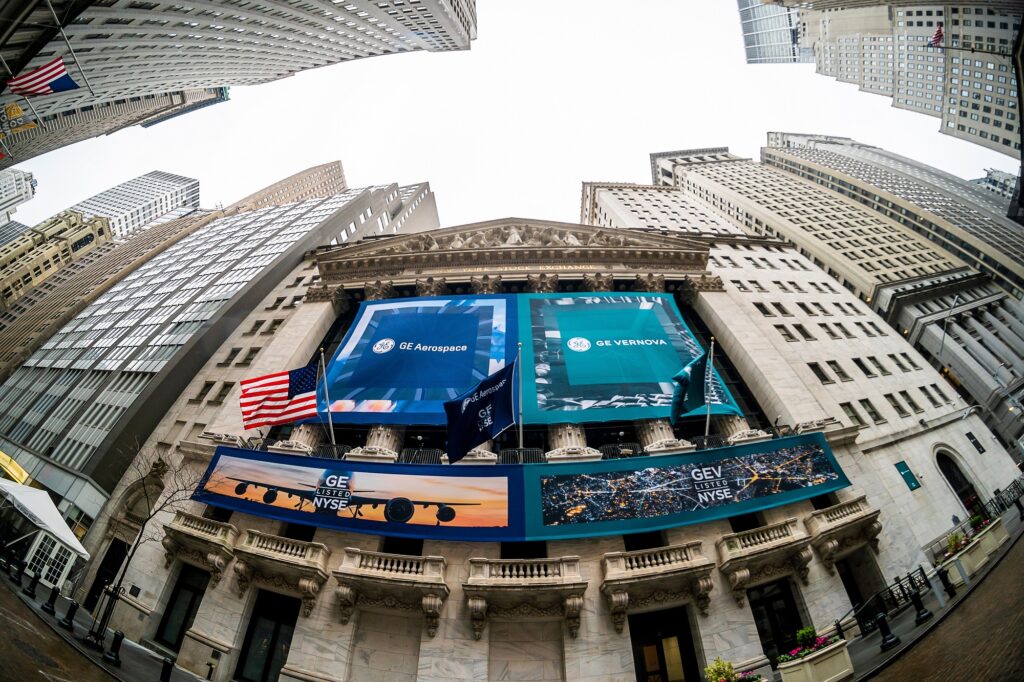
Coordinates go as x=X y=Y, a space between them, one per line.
x=481 y=413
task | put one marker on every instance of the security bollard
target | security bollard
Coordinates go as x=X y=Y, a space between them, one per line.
x=114 y=655
x=948 y=586
x=68 y=621
x=923 y=614
x=839 y=630
x=30 y=589
x=889 y=640
x=51 y=602
x=165 y=670
x=18 y=571
x=1020 y=509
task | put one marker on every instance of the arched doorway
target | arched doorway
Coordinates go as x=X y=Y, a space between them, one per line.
x=960 y=484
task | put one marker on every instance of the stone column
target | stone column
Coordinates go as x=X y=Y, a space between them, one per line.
x=481 y=454
x=987 y=360
x=737 y=430
x=1011 y=320
x=383 y=443
x=304 y=440
x=995 y=345
x=568 y=442
x=1006 y=336
x=657 y=437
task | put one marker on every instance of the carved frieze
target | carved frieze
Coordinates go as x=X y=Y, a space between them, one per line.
x=431 y=286
x=485 y=284
x=376 y=291
x=598 y=282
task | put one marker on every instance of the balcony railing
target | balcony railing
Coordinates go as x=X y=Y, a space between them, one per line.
x=285 y=549
x=621 y=450
x=198 y=526
x=393 y=566
x=837 y=515
x=742 y=554
x=843 y=528
x=524 y=571
x=521 y=456
x=211 y=543
x=299 y=565
x=660 y=559
x=421 y=456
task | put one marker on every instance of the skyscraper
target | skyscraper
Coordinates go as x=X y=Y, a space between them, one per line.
x=136 y=203
x=770 y=34
x=1000 y=183
x=16 y=187
x=187 y=56
x=77 y=408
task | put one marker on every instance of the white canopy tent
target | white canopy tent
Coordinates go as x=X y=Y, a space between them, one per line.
x=36 y=506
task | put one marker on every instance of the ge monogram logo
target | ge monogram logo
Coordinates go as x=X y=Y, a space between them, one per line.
x=578 y=344
x=383 y=346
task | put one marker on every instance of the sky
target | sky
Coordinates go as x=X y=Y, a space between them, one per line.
x=551 y=94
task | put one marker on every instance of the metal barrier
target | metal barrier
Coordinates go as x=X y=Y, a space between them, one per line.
x=901 y=593
x=421 y=456
x=621 y=450
x=521 y=456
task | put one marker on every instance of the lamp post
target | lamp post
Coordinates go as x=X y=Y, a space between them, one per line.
x=945 y=323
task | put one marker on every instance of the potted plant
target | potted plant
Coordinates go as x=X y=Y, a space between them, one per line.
x=816 y=659
x=722 y=671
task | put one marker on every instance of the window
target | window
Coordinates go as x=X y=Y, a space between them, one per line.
x=827 y=328
x=255 y=328
x=928 y=395
x=819 y=372
x=877 y=329
x=868 y=372
x=763 y=309
x=740 y=286
x=860 y=326
x=207 y=385
x=910 y=401
x=225 y=388
x=232 y=354
x=939 y=393
x=882 y=369
x=784 y=331
x=806 y=310
x=296 y=282
x=846 y=332
x=782 y=309
x=896 y=361
x=276 y=304
x=274 y=326
x=897 y=405
x=838 y=369
x=802 y=331
x=250 y=355
x=871 y=411
x=852 y=414
x=910 y=361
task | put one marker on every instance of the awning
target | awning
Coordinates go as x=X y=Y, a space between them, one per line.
x=38 y=508
x=11 y=469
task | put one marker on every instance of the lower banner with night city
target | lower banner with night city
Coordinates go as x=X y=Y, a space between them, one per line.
x=522 y=502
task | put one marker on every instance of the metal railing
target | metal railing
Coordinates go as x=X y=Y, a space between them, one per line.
x=715 y=440
x=332 y=451
x=521 y=456
x=421 y=456
x=892 y=598
x=621 y=450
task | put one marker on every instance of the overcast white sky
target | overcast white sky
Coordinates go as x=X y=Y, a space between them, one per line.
x=551 y=94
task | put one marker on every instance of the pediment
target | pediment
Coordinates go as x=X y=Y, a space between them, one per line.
x=511 y=233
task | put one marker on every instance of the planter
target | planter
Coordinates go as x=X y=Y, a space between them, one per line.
x=975 y=555
x=831 y=664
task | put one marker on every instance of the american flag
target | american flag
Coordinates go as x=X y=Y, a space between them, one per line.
x=936 y=38
x=279 y=398
x=47 y=79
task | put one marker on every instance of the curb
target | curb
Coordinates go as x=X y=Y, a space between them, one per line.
x=938 y=620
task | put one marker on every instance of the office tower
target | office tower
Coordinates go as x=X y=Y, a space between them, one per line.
x=770 y=34
x=968 y=81
x=134 y=204
x=876 y=243
x=417 y=577
x=1000 y=183
x=76 y=408
x=16 y=187
x=130 y=51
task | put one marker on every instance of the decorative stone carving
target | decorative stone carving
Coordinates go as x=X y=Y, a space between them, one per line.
x=569 y=442
x=618 y=603
x=842 y=528
x=244 y=574
x=383 y=442
x=815 y=425
x=748 y=435
x=431 y=286
x=485 y=284
x=756 y=556
x=432 y=612
x=571 y=607
x=652 y=283
x=202 y=542
x=542 y=283
x=598 y=282
x=336 y=296
x=656 y=436
x=347 y=599
x=291 y=446
x=376 y=291
x=477 y=615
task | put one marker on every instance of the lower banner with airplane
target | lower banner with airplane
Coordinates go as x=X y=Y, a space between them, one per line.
x=516 y=502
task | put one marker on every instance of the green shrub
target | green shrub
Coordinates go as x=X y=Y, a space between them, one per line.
x=720 y=670
x=805 y=637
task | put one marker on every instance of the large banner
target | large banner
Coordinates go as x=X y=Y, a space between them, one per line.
x=586 y=357
x=599 y=357
x=403 y=358
x=515 y=503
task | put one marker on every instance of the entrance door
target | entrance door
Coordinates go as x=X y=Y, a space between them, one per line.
x=117 y=551
x=269 y=636
x=860 y=575
x=49 y=561
x=663 y=649
x=961 y=485
x=776 y=616
x=181 y=609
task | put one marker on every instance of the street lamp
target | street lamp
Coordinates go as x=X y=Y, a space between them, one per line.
x=945 y=323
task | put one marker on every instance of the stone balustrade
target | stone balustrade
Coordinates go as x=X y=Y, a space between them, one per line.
x=376 y=580
x=299 y=565
x=733 y=545
x=842 y=528
x=199 y=541
x=525 y=588
x=768 y=552
x=677 y=573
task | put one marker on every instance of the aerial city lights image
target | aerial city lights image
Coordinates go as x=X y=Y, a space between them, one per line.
x=430 y=340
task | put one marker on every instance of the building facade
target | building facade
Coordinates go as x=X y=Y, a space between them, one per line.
x=100 y=383
x=770 y=34
x=137 y=203
x=147 y=62
x=968 y=82
x=16 y=187
x=343 y=605
x=1000 y=183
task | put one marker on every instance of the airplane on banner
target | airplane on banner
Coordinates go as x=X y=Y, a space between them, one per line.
x=396 y=509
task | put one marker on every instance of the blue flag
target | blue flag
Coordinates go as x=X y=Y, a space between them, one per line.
x=481 y=413
x=691 y=383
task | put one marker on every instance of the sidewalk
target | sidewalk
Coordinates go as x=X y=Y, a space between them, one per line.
x=138 y=664
x=865 y=652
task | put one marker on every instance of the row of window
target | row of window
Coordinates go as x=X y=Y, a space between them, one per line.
x=218 y=397
x=871 y=369
x=785 y=287
x=833 y=330
x=250 y=355
x=901 y=402
x=815 y=308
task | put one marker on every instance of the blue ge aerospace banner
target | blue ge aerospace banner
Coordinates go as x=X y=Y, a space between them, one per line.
x=597 y=357
x=514 y=503
x=403 y=358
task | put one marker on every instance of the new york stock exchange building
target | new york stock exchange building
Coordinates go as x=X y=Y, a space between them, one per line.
x=608 y=544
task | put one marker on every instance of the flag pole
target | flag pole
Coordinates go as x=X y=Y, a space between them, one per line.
x=327 y=396
x=71 y=49
x=709 y=370
x=35 y=113
x=519 y=370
